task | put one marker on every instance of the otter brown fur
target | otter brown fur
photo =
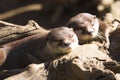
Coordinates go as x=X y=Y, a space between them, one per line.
x=44 y=46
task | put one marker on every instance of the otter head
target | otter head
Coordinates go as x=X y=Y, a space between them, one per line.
x=61 y=40
x=85 y=25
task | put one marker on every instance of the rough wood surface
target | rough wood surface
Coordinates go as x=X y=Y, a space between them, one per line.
x=32 y=72
x=11 y=32
x=86 y=62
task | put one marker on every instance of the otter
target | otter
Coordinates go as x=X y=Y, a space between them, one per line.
x=85 y=25
x=44 y=46
x=62 y=40
x=89 y=28
x=59 y=41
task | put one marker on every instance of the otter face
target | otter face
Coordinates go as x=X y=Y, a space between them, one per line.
x=85 y=25
x=62 y=40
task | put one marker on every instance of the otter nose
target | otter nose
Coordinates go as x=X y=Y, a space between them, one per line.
x=67 y=44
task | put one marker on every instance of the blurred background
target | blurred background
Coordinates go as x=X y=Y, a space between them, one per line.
x=54 y=13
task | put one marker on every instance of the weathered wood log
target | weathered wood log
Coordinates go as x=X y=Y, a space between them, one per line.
x=32 y=72
x=85 y=62
x=10 y=32
x=8 y=73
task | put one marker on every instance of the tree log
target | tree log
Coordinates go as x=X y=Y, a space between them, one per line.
x=86 y=62
x=11 y=32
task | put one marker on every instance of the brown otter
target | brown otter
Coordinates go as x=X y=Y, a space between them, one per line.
x=85 y=25
x=44 y=46
x=62 y=40
x=88 y=28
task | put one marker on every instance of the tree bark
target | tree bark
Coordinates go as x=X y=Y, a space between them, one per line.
x=86 y=62
x=11 y=32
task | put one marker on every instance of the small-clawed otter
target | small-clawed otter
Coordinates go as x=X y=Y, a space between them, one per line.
x=44 y=46
x=85 y=25
x=61 y=40
x=88 y=28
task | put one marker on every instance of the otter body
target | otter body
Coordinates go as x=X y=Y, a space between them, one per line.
x=43 y=47
x=16 y=52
